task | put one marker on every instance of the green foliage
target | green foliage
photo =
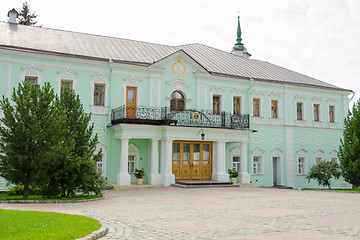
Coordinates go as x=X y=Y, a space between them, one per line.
x=46 y=141
x=18 y=190
x=233 y=173
x=30 y=133
x=349 y=150
x=44 y=225
x=25 y=16
x=323 y=172
x=140 y=173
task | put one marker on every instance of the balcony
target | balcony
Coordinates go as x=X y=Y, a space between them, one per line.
x=188 y=117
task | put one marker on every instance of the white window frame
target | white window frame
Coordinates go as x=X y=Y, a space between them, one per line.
x=31 y=71
x=182 y=91
x=303 y=169
x=334 y=155
x=221 y=101
x=237 y=164
x=303 y=110
x=241 y=103
x=302 y=154
x=134 y=151
x=67 y=75
x=257 y=152
x=335 y=119
x=278 y=108
x=260 y=107
x=318 y=154
x=313 y=111
x=103 y=157
x=135 y=163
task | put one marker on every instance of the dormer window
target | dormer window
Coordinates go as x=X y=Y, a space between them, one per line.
x=177 y=102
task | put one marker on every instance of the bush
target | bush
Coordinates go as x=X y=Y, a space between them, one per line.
x=323 y=172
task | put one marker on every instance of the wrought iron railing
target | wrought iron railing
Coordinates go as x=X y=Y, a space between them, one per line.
x=188 y=117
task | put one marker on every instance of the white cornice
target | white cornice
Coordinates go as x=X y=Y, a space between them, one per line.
x=133 y=78
x=100 y=75
x=32 y=67
x=68 y=71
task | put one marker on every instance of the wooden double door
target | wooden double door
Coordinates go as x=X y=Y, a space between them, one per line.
x=192 y=160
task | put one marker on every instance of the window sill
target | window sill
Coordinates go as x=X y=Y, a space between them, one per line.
x=333 y=125
x=301 y=123
x=99 y=110
x=257 y=120
x=275 y=121
x=318 y=124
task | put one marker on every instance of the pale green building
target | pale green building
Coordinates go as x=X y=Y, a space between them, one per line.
x=152 y=104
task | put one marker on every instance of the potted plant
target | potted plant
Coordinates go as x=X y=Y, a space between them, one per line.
x=233 y=174
x=139 y=174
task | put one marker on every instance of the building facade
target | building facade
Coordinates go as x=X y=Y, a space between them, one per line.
x=184 y=112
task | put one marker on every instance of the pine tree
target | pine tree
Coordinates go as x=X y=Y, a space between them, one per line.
x=349 y=150
x=32 y=136
x=77 y=170
x=25 y=16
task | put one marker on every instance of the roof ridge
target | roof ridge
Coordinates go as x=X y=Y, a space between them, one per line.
x=91 y=34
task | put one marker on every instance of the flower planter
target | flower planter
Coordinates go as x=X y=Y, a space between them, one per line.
x=234 y=180
x=139 y=181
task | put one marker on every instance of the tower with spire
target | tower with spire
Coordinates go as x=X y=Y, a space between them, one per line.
x=239 y=49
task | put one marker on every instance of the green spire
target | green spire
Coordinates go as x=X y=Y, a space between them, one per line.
x=238 y=39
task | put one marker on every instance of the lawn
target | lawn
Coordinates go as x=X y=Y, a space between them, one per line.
x=44 y=225
x=5 y=197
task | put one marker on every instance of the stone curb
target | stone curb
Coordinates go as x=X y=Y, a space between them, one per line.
x=96 y=234
x=51 y=201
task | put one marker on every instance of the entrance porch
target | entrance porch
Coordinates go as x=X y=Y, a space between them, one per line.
x=179 y=153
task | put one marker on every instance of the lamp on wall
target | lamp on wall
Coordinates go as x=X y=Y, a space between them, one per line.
x=202 y=134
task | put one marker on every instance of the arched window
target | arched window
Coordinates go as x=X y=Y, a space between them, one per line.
x=177 y=102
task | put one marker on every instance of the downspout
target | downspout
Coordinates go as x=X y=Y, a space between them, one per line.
x=108 y=124
x=249 y=111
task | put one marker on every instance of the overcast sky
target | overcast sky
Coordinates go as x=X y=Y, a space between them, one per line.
x=318 y=38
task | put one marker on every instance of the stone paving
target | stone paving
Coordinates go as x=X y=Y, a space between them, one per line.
x=219 y=213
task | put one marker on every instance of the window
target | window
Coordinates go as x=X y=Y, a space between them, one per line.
x=99 y=167
x=257 y=165
x=301 y=165
x=131 y=164
x=316 y=112
x=216 y=104
x=331 y=113
x=237 y=105
x=177 y=102
x=318 y=160
x=99 y=94
x=236 y=163
x=274 y=109
x=67 y=83
x=256 y=107
x=299 y=111
x=334 y=159
x=31 y=80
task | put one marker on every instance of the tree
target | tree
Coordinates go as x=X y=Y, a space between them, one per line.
x=323 y=172
x=30 y=133
x=78 y=169
x=25 y=16
x=349 y=150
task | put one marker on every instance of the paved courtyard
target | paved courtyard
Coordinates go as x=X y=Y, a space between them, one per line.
x=219 y=213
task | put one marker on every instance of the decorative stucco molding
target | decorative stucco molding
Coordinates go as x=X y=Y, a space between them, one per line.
x=178 y=81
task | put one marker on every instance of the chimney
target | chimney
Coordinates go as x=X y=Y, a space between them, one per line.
x=13 y=14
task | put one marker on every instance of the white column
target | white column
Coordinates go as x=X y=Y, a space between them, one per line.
x=244 y=175
x=123 y=177
x=168 y=177
x=154 y=176
x=220 y=173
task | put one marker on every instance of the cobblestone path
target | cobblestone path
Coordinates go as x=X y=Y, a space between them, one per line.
x=219 y=213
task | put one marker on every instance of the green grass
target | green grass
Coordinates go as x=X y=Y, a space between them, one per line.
x=44 y=225
x=5 y=197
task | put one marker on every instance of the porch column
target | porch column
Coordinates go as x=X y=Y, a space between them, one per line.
x=123 y=177
x=244 y=176
x=220 y=173
x=166 y=164
x=154 y=176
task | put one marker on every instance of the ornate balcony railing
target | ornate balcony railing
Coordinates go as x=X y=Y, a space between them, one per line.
x=188 y=117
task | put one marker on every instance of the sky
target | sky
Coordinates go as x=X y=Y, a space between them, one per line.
x=318 y=38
